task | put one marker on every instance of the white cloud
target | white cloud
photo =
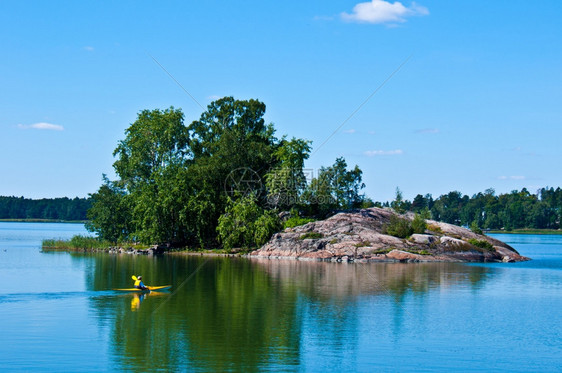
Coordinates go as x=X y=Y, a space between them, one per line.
x=89 y=48
x=428 y=130
x=515 y=177
x=42 y=126
x=380 y=11
x=349 y=131
x=374 y=153
x=214 y=97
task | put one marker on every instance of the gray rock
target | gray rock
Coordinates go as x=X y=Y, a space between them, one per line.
x=422 y=238
x=451 y=241
x=358 y=234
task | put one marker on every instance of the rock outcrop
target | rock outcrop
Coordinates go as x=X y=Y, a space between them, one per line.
x=358 y=236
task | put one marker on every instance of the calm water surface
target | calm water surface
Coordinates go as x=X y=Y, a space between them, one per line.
x=59 y=312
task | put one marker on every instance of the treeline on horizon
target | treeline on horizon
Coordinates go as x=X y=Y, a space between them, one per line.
x=64 y=208
x=486 y=210
x=514 y=210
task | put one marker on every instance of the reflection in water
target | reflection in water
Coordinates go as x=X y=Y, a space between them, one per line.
x=137 y=298
x=136 y=301
x=335 y=289
x=328 y=280
x=240 y=314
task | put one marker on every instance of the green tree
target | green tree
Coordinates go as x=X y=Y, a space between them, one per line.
x=475 y=228
x=229 y=142
x=174 y=177
x=286 y=182
x=398 y=204
x=154 y=141
x=318 y=199
x=368 y=203
x=155 y=150
x=109 y=215
x=418 y=224
x=447 y=208
x=398 y=227
x=335 y=187
x=420 y=203
x=245 y=224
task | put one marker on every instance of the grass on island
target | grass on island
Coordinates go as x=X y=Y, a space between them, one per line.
x=76 y=243
x=87 y=243
x=311 y=235
x=527 y=231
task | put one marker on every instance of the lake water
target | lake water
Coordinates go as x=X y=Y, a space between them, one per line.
x=230 y=314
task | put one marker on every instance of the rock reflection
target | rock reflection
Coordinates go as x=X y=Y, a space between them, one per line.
x=320 y=280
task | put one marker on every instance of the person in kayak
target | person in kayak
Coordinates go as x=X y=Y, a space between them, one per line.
x=139 y=284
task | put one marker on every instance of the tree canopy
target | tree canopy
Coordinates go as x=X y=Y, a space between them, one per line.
x=178 y=183
x=335 y=188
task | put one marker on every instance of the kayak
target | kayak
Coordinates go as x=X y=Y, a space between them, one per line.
x=150 y=288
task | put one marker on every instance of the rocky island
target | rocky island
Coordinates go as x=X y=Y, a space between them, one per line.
x=362 y=235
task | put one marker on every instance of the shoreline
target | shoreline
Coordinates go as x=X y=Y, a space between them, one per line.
x=43 y=221
x=363 y=235
x=539 y=232
x=395 y=256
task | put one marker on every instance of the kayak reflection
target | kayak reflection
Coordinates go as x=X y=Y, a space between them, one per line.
x=136 y=301
x=139 y=297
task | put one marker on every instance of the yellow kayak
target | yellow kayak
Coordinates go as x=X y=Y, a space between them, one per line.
x=150 y=288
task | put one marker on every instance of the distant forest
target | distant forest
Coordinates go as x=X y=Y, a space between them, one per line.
x=46 y=208
x=515 y=210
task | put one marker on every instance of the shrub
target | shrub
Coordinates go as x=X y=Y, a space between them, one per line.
x=85 y=242
x=311 y=235
x=296 y=221
x=367 y=203
x=398 y=227
x=362 y=244
x=475 y=228
x=418 y=224
x=419 y=252
x=434 y=228
x=483 y=244
x=383 y=251
x=265 y=226
x=244 y=224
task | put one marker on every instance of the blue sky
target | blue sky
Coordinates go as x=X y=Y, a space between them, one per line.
x=477 y=104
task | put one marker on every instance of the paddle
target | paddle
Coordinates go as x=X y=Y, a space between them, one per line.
x=134 y=277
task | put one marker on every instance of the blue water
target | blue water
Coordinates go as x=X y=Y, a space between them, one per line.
x=228 y=314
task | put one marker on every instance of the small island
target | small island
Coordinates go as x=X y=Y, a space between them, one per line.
x=363 y=235
x=227 y=184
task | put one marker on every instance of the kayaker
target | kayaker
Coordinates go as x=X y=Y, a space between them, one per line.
x=139 y=284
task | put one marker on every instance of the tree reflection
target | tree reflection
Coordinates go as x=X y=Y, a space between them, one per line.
x=240 y=314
